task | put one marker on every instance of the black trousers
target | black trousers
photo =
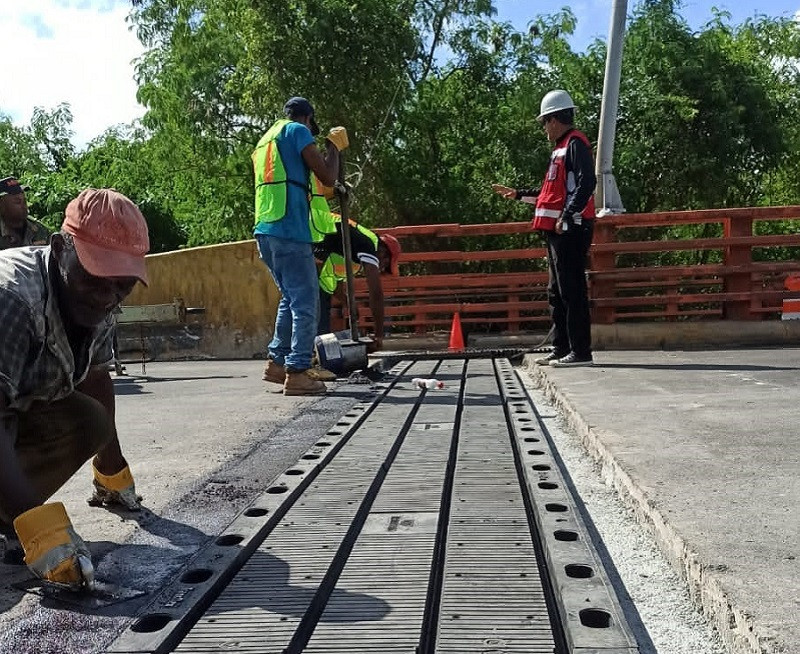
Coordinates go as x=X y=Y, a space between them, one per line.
x=567 y=294
x=55 y=439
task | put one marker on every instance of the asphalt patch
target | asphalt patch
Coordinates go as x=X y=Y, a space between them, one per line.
x=104 y=594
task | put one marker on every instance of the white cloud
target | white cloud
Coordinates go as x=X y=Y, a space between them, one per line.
x=75 y=51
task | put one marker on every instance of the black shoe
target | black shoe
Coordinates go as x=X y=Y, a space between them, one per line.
x=545 y=360
x=572 y=360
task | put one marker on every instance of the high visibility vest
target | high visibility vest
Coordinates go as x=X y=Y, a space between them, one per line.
x=272 y=187
x=333 y=270
x=553 y=195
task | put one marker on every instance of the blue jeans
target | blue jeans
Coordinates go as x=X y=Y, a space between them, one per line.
x=292 y=266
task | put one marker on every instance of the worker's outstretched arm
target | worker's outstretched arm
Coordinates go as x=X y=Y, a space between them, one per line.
x=326 y=167
x=113 y=481
x=98 y=385
x=375 y=299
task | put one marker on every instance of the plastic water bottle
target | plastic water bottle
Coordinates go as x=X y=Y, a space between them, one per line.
x=421 y=383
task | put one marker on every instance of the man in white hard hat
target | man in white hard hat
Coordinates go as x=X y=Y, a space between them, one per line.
x=565 y=215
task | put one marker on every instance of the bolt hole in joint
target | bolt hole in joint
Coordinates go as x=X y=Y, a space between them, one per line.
x=577 y=571
x=555 y=507
x=196 y=576
x=151 y=623
x=565 y=535
x=595 y=618
x=256 y=512
x=229 y=540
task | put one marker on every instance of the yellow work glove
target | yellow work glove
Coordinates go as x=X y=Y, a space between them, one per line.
x=115 y=489
x=338 y=136
x=53 y=551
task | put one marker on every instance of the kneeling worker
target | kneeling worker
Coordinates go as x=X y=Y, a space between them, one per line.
x=374 y=254
x=56 y=396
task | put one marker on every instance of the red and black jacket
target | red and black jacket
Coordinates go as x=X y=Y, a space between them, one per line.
x=569 y=184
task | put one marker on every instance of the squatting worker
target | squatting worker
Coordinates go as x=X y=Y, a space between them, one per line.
x=292 y=214
x=375 y=255
x=17 y=228
x=56 y=395
x=565 y=214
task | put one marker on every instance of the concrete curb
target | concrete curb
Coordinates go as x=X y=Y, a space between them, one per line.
x=738 y=630
x=718 y=334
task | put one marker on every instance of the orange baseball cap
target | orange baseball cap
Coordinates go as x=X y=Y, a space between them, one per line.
x=110 y=234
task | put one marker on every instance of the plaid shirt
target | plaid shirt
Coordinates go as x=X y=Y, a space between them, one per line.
x=36 y=359
x=35 y=234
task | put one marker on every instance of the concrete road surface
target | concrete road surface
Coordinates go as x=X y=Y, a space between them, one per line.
x=705 y=446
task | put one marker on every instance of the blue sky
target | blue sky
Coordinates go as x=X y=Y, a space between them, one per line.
x=80 y=51
x=593 y=15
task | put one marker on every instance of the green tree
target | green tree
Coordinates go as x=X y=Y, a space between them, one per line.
x=698 y=124
x=19 y=155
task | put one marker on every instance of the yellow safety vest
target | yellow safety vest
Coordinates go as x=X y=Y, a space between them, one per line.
x=334 y=271
x=272 y=187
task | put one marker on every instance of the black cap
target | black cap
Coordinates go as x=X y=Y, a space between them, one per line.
x=298 y=106
x=11 y=186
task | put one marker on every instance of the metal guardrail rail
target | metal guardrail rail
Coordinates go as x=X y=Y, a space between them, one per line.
x=426 y=522
x=494 y=274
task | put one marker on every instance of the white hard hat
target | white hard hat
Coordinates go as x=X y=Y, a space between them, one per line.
x=555 y=101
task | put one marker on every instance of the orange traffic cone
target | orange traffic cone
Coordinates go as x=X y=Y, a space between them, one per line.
x=456 y=337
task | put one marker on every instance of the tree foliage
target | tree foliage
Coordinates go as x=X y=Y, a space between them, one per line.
x=440 y=100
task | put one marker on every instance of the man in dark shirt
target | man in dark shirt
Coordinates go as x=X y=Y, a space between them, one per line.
x=17 y=228
x=56 y=396
x=565 y=214
x=373 y=254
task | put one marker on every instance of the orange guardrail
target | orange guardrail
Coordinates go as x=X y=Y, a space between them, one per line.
x=495 y=274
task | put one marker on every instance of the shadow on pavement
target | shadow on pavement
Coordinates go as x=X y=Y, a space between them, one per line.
x=150 y=565
x=284 y=598
x=132 y=385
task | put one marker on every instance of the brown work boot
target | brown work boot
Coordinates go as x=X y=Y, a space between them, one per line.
x=301 y=383
x=322 y=374
x=274 y=372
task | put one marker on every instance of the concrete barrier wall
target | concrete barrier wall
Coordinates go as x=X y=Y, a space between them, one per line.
x=233 y=285
x=241 y=300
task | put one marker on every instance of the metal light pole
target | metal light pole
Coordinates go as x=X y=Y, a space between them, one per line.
x=607 y=197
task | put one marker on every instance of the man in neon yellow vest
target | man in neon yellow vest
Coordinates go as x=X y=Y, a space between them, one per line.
x=291 y=215
x=374 y=254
